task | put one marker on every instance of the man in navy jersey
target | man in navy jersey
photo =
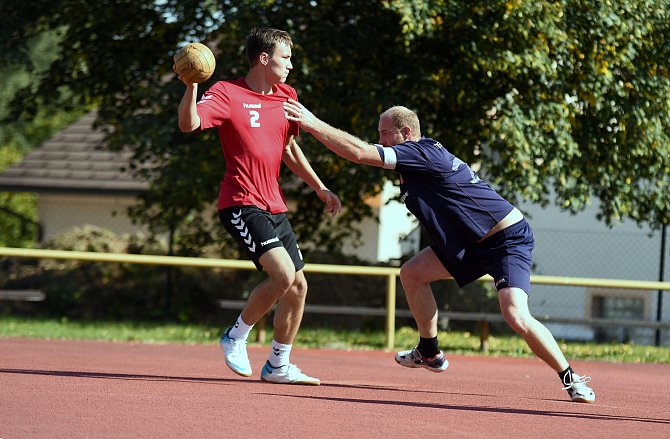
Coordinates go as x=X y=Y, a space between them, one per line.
x=256 y=138
x=473 y=230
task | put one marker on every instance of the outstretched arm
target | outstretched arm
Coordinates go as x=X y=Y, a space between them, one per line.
x=298 y=164
x=340 y=142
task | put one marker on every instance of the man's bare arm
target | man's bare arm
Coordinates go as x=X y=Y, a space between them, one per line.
x=340 y=142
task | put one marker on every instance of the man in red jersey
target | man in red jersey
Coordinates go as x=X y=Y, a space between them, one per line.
x=256 y=138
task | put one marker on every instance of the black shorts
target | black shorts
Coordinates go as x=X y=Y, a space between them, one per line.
x=257 y=231
x=505 y=255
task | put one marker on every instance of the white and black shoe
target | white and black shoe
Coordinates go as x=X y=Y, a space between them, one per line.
x=413 y=358
x=577 y=388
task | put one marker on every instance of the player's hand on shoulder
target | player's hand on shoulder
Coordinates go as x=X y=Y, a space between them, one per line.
x=296 y=112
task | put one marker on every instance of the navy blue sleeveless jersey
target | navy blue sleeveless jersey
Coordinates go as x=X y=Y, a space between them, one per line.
x=455 y=206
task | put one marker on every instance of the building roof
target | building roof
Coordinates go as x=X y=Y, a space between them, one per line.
x=75 y=160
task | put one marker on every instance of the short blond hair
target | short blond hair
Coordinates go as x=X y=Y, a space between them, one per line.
x=403 y=117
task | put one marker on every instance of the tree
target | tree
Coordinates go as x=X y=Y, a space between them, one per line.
x=564 y=96
x=18 y=211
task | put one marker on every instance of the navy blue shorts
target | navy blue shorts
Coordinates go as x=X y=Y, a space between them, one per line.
x=505 y=255
x=257 y=231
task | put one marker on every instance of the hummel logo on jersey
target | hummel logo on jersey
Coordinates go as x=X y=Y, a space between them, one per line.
x=251 y=105
x=244 y=231
x=438 y=145
x=205 y=98
x=269 y=241
x=403 y=197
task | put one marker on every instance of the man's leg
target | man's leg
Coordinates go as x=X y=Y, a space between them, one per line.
x=277 y=264
x=290 y=309
x=281 y=274
x=514 y=308
x=416 y=276
x=278 y=368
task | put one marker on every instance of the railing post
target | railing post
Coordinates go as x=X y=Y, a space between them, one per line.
x=390 y=311
x=661 y=275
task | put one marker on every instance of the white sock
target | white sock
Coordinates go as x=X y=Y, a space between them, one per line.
x=279 y=355
x=240 y=330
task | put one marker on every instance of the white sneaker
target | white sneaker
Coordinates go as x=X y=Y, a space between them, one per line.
x=288 y=374
x=235 y=352
x=578 y=390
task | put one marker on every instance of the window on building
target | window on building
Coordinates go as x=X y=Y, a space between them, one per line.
x=617 y=308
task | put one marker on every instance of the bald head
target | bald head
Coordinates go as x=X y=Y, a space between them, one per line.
x=403 y=117
x=398 y=124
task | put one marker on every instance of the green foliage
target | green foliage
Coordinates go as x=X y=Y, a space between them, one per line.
x=18 y=211
x=18 y=219
x=72 y=329
x=563 y=97
x=557 y=101
x=454 y=342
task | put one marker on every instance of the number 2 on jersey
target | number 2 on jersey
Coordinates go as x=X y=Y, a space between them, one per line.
x=253 y=119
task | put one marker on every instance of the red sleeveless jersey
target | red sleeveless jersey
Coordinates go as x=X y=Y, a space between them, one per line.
x=253 y=132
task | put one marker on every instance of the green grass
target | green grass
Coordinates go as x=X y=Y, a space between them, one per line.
x=454 y=342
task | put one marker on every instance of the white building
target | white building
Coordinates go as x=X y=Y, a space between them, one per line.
x=78 y=181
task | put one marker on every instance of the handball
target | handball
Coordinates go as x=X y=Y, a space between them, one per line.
x=194 y=62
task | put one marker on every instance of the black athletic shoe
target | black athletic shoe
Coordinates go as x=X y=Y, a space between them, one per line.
x=414 y=358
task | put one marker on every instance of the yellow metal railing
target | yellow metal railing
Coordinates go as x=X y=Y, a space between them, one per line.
x=390 y=273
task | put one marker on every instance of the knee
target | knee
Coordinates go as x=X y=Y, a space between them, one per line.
x=297 y=292
x=517 y=321
x=283 y=280
x=299 y=287
x=409 y=277
x=412 y=280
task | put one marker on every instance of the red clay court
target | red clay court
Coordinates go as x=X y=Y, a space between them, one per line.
x=79 y=389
